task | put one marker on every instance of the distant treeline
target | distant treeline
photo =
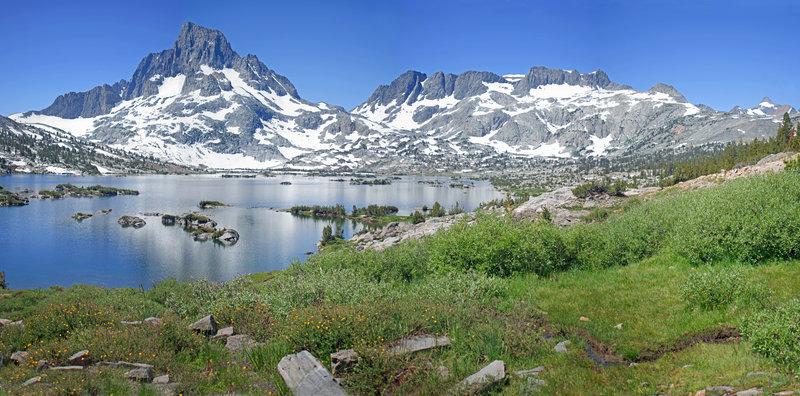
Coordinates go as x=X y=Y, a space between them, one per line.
x=340 y=211
x=732 y=156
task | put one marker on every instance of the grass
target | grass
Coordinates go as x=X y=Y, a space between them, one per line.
x=498 y=289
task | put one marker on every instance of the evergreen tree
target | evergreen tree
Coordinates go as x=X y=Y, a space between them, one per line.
x=326 y=235
x=437 y=210
x=417 y=218
x=785 y=130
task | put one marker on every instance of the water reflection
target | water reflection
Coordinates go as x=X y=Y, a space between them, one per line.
x=45 y=246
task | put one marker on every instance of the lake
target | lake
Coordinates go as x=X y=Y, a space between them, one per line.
x=44 y=246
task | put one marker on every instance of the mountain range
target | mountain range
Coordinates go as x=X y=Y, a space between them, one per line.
x=200 y=103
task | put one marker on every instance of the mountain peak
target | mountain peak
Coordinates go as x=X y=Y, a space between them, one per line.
x=203 y=45
x=767 y=100
x=669 y=90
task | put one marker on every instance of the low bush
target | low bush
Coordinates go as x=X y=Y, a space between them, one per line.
x=499 y=246
x=718 y=287
x=775 y=333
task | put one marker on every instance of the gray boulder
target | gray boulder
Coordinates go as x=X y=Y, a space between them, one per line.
x=19 y=357
x=306 y=376
x=80 y=358
x=140 y=374
x=484 y=378
x=239 y=343
x=207 y=325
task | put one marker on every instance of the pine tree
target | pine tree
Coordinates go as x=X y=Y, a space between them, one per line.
x=326 y=235
x=417 y=218
x=785 y=130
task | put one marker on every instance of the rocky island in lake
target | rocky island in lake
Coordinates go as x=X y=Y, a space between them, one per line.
x=67 y=190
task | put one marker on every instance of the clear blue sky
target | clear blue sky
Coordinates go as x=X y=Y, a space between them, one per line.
x=721 y=53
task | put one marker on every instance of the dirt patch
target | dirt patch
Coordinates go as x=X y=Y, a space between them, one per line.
x=720 y=334
x=604 y=355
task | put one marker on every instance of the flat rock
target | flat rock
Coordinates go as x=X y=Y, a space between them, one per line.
x=224 y=332
x=493 y=372
x=5 y=322
x=418 y=343
x=19 y=357
x=783 y=393
x=131 y=323
x=717 y=390
x=306 y=376
x=207 y=325
x=239 y=342
x=66 y=368
x=34 y=380
x=80 y=358
x=140 y=375
x=42 y=365
x=162 y=379
x=750 y=392
x=528 y=373
x=154 y=322
x=561 y=346
x=342 y=360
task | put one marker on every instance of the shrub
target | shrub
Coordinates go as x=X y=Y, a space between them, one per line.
x=417 y=218
x=719 y=287
x=793 y=165
x=775 y=333
x=499 y=246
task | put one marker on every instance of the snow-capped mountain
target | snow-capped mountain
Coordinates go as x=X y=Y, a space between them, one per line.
x=765 y=107
x=551 y=112
x=200 y=103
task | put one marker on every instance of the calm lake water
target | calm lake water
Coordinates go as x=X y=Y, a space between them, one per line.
x=43 y=246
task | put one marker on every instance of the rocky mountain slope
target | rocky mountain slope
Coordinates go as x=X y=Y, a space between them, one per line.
x=200 y=103
x=29 y=149
x=551 y=112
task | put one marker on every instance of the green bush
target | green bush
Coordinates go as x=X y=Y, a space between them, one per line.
x=718 y=287
x=793 y=164
x=417 y=218
x=499 y=246
x=775 y=333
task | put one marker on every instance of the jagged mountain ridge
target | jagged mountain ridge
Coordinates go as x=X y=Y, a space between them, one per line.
x=200 y=103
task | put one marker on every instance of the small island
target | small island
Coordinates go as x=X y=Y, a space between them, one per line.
x=8 y=198
x=237 y=176
x=80 y=216
x=69 y=190
x=131 y=221
x=202 y=228
x=370 y=182
x=211 y=204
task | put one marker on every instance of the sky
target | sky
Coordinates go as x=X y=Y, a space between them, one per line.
x=719 y=53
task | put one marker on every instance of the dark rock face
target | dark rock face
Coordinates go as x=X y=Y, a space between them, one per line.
x=407 y=87
x=97 y=101
x=539 y=76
